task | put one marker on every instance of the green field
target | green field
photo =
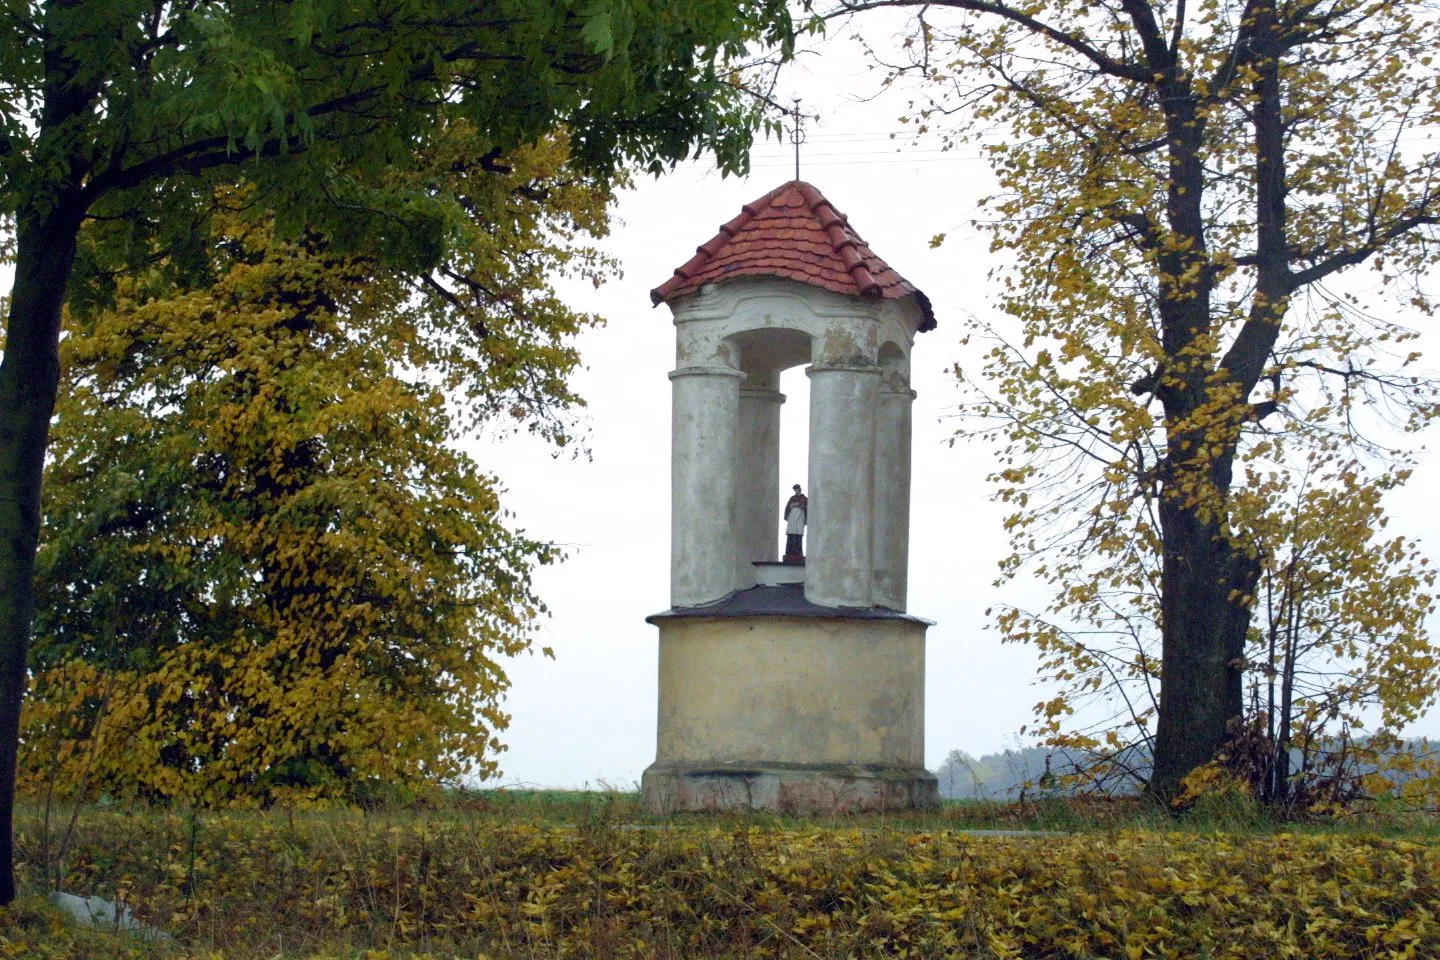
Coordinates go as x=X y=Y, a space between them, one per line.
x=513 y=874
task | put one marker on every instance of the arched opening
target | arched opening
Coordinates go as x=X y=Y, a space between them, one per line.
x=771 y=448
x=794 y=437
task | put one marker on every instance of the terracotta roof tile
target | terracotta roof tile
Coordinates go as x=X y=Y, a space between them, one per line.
x=793 y=232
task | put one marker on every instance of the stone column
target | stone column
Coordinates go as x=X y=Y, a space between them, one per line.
x=840 y=532
x=702 y=483
x=757 y=475
x=892 y=494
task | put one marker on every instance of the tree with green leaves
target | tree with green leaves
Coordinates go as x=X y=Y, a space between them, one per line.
x=119 y=118
x=1186 y=191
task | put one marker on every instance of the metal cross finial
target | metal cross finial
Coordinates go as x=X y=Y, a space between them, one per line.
x=797 y=133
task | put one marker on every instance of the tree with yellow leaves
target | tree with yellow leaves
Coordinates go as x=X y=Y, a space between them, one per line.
x=1339 y=660
x=1184 y=188
x=267 y=574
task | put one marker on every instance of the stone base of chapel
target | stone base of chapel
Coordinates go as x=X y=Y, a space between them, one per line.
x=671 y=787
x=771 y=702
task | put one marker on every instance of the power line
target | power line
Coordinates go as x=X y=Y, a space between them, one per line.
x=867 y=153
x=771 y=164
x=911 y=136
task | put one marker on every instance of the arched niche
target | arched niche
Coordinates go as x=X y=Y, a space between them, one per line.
x=764 y=353
x=894 y=366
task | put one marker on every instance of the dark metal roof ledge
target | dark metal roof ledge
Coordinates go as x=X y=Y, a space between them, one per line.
x=785 y=600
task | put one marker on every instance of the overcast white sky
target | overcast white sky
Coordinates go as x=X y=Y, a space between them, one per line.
x=589 y=716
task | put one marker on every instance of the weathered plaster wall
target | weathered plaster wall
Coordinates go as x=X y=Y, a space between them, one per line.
x=711 y=324
x=792 y=690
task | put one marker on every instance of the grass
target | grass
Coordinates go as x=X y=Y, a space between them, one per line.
x=528 y=874
x=1045 y=814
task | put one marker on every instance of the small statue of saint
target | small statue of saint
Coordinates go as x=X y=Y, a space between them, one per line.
x=795 y=509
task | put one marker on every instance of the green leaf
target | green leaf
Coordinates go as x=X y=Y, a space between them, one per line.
x=598 y=30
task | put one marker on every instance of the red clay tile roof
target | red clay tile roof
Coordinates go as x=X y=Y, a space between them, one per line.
x=793 y=232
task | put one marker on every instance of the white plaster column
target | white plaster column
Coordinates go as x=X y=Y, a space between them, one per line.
x=757 y=475
x=842 y=488
x=892 y=494
x=702 y=483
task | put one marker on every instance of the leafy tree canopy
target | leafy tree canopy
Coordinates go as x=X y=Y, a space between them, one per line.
x=267 y=575
x=1183 y=188
x=117 y=107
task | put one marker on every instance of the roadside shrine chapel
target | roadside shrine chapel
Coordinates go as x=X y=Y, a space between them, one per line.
x=792 y=685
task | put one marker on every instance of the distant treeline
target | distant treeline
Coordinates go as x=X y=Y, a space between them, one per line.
x=996 y=776
x=1037 y=770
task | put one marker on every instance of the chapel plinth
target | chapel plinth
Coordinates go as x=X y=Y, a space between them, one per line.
x=795 y=686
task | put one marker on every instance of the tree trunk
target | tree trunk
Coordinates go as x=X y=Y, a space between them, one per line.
x=1203 y=634
x=1206 y=579
x=1287 y=689
x=29 y=381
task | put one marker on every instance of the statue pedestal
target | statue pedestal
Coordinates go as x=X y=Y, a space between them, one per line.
x=769 y=702
x=770 y=573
